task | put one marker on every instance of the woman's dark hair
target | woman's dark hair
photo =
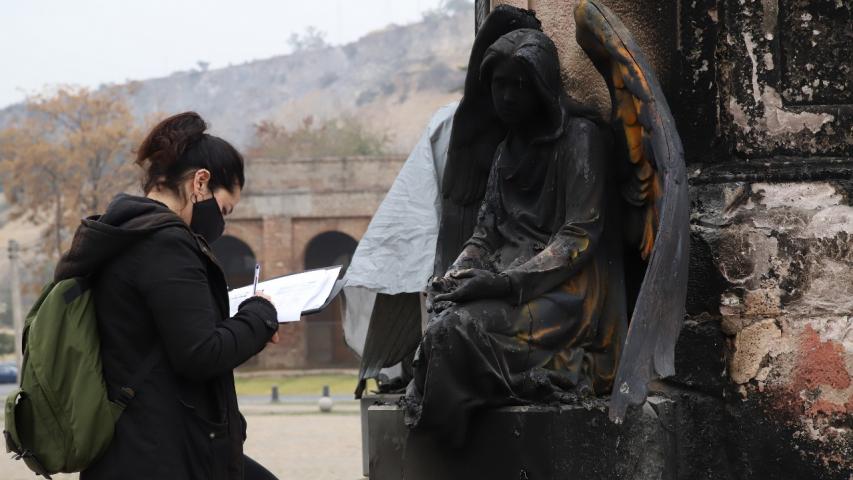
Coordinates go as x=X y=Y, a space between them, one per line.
x=178 y=146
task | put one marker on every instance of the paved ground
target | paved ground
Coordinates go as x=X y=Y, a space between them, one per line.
x=293 y=440
x=246 y=400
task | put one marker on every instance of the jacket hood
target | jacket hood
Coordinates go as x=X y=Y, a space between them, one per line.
x=101 y=238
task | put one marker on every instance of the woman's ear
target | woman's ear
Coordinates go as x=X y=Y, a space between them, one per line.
x=201 y=181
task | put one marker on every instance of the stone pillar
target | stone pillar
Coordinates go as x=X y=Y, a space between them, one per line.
x=653 y=23
x=16 y=307
x=514 y=3
x=770 y=147
x=279 y=259
x=278 y=254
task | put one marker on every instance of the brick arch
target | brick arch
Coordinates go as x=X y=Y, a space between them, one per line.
x=329 y=248
x=324 y=336
x=237 y=259
x=307 y=229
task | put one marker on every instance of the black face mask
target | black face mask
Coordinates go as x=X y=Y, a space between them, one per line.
x=207 y=220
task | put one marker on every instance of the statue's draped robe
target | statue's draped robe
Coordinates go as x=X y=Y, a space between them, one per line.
x=549 y=222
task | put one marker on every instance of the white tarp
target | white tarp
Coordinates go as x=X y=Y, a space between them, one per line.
x=397 y=252
x=358 y=305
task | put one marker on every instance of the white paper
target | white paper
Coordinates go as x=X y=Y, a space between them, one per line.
x=292 y=294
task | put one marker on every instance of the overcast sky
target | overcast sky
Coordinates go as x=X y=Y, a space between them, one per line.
x=90 y=42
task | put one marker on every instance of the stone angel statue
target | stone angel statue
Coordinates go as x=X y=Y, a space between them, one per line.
x=561 y=261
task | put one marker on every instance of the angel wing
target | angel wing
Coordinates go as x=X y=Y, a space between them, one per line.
x=657 y=186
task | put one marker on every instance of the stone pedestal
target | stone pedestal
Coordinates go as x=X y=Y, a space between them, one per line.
x=531 y=442
x=366 y=402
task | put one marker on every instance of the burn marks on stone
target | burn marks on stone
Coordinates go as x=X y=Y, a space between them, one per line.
x=705 y=282
x=815 y=45
x=803 y=111
x=783 y=251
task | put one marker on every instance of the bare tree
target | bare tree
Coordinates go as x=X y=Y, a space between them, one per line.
x=66 y=157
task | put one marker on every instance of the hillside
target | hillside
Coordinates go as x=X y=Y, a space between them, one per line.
x=393 y=79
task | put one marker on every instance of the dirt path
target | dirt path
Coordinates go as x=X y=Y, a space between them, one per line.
x=292 y=441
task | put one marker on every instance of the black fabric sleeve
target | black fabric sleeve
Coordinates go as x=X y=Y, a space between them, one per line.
x=262 y=307
x=175 y=288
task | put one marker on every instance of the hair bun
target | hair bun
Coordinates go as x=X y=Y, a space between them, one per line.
x=168 y=140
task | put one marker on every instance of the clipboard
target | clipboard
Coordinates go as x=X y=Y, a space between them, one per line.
x=339 y=286
x=297 y=294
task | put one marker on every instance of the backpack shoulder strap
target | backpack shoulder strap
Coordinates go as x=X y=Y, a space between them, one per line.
x=81 y=285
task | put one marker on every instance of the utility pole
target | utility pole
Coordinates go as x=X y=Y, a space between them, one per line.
x=17 y=314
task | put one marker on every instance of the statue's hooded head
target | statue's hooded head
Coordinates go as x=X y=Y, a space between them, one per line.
x=523 y=70
x=507 y=33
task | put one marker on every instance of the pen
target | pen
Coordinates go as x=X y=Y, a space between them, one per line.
x=257 y=274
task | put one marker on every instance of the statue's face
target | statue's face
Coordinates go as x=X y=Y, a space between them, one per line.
x=513 y=94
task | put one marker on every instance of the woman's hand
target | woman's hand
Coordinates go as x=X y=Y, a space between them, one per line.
x=473 y=284
x=275 y=338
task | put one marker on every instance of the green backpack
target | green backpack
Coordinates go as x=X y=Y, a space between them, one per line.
x=61 y=419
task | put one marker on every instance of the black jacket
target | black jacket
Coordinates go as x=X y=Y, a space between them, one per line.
x=158 y=288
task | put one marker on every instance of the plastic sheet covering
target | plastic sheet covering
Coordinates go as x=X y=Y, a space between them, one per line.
x=397 y=252
x=357 y=300
x=392 y=335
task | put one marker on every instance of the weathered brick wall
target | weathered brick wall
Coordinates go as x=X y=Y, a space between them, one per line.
x=305 y=229
x=288 y=203
x=778 y=257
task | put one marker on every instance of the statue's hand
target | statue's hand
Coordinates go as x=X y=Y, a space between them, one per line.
x=474 y=284
x=439 y=286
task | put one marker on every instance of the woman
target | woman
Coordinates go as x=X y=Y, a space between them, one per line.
x=534 y=306
x=168 y=346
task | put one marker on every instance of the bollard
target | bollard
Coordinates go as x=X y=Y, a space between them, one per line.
x=275 y=394
x=325 y=403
